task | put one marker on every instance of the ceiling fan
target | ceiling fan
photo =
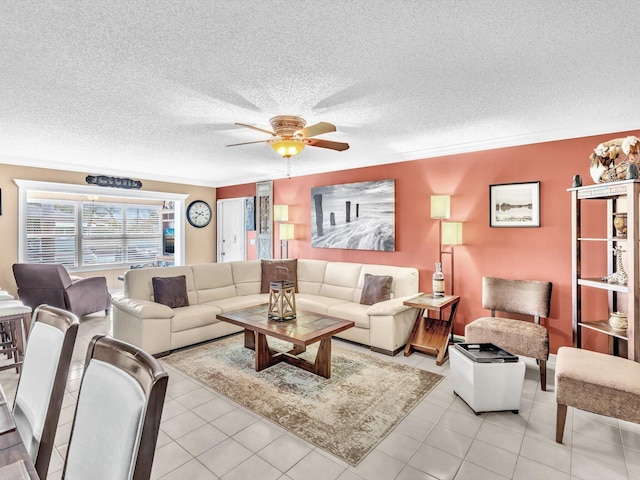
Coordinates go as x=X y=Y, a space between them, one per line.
x=291 y=135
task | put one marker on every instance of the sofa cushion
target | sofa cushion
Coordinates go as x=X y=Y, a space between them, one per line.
x=247 y=276
x=269 y=273
x=194 y=316
x=170 y=291
x=213 y=281
x=355 y=312
x=316 y=303
x=341 y=280
x=240 y=301
x=137 y=282
x=311 y=275
x=377 y=288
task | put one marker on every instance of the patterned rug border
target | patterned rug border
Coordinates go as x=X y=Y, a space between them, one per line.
x=303 y=403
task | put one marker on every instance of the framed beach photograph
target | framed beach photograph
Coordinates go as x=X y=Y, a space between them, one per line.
x=514 y=205
x=354 y=216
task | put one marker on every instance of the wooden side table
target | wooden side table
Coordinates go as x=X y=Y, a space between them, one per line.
x=431 y=335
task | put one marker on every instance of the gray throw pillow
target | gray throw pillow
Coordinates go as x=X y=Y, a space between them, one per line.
x=269 y=273
x=377 y=288
x=170 y=291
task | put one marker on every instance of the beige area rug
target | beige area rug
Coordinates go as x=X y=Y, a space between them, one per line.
x=346 y=415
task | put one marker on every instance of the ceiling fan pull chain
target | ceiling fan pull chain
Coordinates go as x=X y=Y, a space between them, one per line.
x=288 y=167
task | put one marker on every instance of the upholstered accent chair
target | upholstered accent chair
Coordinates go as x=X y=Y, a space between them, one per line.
x=117 y=419
x=520 y=337
x=40 y=389
x=597 y=383
x=51 y=284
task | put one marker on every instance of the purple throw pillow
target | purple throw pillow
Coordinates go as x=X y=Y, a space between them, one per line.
x=170 y=291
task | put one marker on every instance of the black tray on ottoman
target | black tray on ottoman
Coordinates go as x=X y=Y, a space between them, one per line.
x=485 y=353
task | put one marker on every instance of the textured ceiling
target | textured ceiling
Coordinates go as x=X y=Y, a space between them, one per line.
x=151 y=89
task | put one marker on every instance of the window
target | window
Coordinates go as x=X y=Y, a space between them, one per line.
x=116 y=233
x=85 y=228
x=82 y=234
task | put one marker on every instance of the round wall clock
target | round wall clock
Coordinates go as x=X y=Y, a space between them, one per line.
x=199 y=213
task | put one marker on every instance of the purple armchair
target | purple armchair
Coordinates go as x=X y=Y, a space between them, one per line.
x=50 y=284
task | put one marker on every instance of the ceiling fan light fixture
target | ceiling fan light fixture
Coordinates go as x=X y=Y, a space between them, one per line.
x=287 y=147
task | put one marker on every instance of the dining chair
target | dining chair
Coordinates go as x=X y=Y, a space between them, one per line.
x=40 y=390
x=117 y=419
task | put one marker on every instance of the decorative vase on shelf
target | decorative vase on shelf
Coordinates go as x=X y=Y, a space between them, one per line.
x=618 y=321
x=620 y=224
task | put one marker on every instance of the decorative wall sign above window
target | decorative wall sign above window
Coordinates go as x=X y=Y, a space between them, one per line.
x=104 y=181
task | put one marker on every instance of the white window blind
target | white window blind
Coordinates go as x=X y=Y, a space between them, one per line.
x=89 y=234
x=52 y=232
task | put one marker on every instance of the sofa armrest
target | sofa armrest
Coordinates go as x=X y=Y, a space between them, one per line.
x=143 y=323
x=390 y=324
x=142 y=309
x=391 y=307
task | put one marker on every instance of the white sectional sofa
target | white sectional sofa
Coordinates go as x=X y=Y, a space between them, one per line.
x=330 y=288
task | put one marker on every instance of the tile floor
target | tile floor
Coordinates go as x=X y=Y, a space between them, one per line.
x=205 y=436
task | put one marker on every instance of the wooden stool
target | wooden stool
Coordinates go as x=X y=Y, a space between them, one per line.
x=14 y=318
x=597 y=383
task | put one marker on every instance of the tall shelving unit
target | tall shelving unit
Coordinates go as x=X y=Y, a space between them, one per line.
x=168 y=222
x=621 y=196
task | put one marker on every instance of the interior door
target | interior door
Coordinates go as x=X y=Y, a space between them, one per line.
x=231 y=230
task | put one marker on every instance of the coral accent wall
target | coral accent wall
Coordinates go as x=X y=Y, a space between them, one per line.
x=542 y=253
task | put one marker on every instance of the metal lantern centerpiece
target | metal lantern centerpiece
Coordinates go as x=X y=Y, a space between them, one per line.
x=282 y=298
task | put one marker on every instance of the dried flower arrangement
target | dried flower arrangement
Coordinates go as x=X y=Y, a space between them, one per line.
x=604 y=156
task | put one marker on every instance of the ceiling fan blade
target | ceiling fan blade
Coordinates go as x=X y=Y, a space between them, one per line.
x=316 y=142
x=317 y=129
x=247 y=143
x=256 y=128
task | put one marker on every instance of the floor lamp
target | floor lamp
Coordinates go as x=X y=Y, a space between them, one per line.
x=440 y=209
x=281 y=214
x=286 y=233
x=451 y=234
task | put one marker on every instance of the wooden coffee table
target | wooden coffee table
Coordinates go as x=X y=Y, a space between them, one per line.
x=305 y=329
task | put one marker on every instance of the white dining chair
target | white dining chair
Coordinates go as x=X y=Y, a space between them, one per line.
x=117 y=419
x=40 y=390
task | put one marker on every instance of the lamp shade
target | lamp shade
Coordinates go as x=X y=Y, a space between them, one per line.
x=280 y=213
x=452 y=233
x=440 y=206
x=286 y=231
x=287 y=147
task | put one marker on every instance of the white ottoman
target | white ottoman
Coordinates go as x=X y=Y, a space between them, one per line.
x=487 y=387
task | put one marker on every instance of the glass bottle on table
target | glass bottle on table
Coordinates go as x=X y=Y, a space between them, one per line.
x=438 y=281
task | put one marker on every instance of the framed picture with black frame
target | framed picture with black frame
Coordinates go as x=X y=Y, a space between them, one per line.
x=514 y=205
